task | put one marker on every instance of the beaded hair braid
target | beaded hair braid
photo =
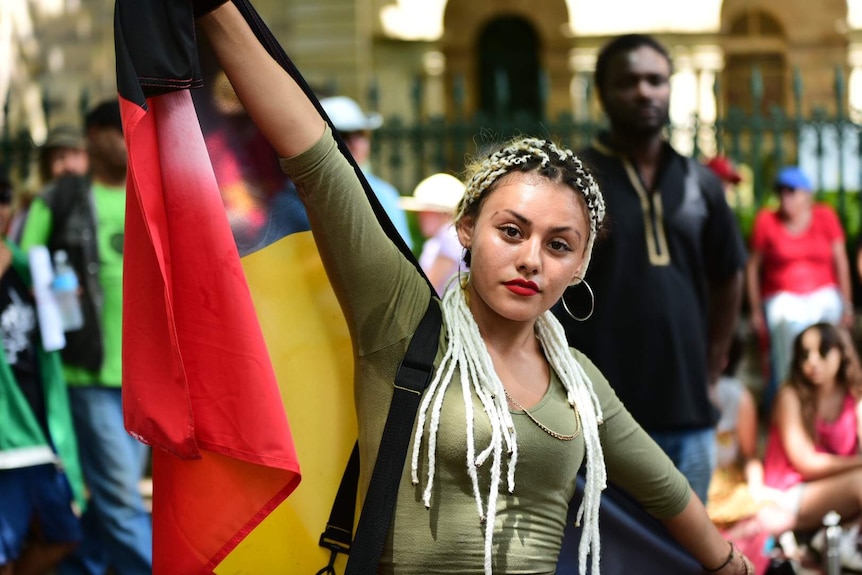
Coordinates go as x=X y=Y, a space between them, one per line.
x=468 y=355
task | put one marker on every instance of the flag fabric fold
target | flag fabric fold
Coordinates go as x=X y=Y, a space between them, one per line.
x=198 y=382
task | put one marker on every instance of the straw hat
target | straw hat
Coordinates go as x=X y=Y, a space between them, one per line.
x=437 y=193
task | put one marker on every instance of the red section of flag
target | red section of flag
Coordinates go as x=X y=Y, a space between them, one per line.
x=197 y=379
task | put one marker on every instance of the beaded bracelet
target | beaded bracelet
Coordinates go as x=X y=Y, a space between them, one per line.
x=726 y=561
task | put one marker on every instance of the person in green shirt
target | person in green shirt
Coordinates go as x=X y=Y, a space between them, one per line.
x=41 y=491
x=85 y=217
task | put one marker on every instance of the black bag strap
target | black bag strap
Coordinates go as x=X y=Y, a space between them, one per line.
x=339 y=528
x=413 y=376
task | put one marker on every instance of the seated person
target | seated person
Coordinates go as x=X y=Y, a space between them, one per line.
x=812 y=459
x=738 y=501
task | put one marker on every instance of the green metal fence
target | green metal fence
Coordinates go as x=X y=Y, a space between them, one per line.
x=18 y=152
x=828 y=145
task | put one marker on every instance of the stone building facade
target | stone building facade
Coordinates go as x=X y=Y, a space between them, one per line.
x=533 y=50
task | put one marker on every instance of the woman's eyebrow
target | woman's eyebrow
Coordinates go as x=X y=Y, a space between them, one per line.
x=518 y=216
x=527 y=222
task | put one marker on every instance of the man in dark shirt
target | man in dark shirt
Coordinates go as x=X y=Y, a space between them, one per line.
x=667 y=278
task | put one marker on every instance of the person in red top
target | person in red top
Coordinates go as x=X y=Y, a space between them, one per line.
x=798 y=272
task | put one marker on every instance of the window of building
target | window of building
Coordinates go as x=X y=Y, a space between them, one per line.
x=509 y=69
x=762 y=39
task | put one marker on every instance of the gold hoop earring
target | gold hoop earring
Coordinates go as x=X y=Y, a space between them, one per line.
x=592 y=301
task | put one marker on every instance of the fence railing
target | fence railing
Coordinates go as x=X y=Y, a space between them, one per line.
x=826 y=144
x=19 y=154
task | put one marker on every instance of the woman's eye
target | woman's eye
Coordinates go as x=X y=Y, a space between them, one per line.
x=510 y=231
x=559 y=246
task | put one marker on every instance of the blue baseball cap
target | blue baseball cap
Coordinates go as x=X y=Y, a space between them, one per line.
x=794 y=178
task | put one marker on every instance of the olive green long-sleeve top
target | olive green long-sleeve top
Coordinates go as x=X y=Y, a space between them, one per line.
x=383 y=298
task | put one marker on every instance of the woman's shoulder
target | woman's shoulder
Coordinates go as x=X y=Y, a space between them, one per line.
x=825 y=213
x=823 y=208
x=595 y=375
x=766 y=216
x=787 y=401
x=582 y=359
x=787 y=392
x=765 y=226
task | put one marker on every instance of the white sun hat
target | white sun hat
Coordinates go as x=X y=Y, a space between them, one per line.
x=347 y=116
x=438 y=193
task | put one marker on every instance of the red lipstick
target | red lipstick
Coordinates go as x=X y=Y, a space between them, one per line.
x=522 y=287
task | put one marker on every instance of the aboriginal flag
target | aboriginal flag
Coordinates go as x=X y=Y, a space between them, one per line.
x=230 y=324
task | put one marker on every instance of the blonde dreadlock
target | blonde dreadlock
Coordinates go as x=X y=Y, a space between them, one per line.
x=468 y=354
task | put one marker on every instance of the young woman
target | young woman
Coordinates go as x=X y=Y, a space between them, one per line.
x=812 y=453
x=512 y=412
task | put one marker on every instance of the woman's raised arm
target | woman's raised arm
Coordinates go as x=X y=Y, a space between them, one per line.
x=275 y=102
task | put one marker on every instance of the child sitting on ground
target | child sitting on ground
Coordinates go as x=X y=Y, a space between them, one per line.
x=812 y=455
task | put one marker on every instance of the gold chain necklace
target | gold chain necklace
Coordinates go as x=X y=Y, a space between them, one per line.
x=542 y=426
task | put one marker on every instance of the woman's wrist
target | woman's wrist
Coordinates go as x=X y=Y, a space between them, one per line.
x=740 y=565
x=727 y=562
x=744 y=566
x=734 y=564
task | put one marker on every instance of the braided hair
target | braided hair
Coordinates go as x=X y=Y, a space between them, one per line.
x=468 y=355
x=545 y=159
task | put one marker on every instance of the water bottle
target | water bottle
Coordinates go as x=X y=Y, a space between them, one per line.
x=65 y=287
x=832 y=557
x=47 y=310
